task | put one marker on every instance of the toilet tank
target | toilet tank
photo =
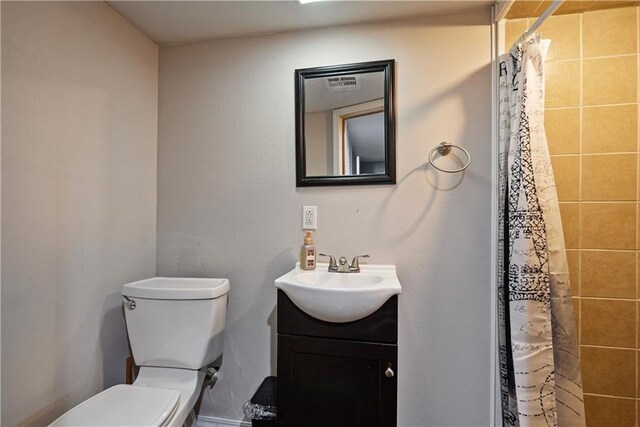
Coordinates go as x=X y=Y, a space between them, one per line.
x=176 y=322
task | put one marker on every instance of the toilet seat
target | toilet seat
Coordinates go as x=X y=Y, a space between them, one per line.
x=124 y=405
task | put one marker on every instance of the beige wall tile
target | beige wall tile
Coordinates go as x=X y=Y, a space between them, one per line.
x=562 y=127
x=608 y=322
x=576 y=315
x=566 y=171
x=570 y=214
x=637 y=233
x=607 y=80
x=609 y=32
x=562 y=84
x=544 y=5
x=613 y=128
x=524 y=8
x=564 y=32
x=574 y=6
x=608 y=225
x=609 y=274
x=579 y=6
x=514 y=28
x=609 y=411
x=604 y=129
x=573 y=259
x=613 y=4
x=608 y=371
x=609 y=177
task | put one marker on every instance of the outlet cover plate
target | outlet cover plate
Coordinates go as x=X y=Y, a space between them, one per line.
x=309 y=217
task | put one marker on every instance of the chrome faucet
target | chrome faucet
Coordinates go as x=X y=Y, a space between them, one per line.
x=342 y=266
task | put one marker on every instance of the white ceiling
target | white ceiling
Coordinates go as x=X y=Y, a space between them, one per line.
x=318 y=97
x=174 y=22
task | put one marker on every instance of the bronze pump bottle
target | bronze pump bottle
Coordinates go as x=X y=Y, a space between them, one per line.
x=308 y=253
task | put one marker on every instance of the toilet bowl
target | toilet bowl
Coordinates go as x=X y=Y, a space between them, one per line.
x=176 y=328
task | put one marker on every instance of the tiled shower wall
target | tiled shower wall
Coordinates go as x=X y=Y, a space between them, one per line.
x=591 y=118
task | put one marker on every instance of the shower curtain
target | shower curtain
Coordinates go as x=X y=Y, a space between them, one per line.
x=539 y=364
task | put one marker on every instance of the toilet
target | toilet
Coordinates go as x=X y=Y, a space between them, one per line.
x=176 y=328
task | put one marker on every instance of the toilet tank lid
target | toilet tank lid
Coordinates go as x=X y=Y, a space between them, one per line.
x=176 y=288
x=123 y=405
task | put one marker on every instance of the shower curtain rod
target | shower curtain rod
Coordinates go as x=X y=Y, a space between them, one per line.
x=555 y=4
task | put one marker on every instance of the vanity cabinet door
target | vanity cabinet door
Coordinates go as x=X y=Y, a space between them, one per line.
x=327 y=382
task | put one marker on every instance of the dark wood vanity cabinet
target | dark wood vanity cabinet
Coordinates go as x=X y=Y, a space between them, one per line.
x=337 y=374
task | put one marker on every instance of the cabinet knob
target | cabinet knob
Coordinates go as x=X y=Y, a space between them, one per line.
x=389 y=372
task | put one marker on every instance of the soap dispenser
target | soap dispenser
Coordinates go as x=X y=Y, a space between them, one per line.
x=308 y=253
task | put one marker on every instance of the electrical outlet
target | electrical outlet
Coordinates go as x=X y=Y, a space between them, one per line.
x=309 y=217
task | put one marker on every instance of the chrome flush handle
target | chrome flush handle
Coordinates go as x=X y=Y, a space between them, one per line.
x=131 y=304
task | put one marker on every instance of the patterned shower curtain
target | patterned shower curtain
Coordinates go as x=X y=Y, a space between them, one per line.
x=541 y=383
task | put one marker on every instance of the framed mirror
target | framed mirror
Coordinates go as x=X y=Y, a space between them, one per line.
x=345 y=124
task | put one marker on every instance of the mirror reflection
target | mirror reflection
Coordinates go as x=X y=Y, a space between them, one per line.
x=345 y=124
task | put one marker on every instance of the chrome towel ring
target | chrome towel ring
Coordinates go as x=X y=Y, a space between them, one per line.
x=444 y=149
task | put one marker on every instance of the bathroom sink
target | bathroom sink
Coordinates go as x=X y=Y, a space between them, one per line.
x=340 y=297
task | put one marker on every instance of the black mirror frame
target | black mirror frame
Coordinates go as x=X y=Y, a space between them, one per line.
x=389 y=177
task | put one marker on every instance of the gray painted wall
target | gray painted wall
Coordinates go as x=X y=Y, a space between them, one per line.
x=228 y=205
x=0 y=228
x=79 y=149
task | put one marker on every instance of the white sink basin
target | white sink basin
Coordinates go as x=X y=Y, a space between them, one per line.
x=340 y=297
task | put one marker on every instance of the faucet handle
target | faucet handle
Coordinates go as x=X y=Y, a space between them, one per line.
x=333 y=266
x=355 y=265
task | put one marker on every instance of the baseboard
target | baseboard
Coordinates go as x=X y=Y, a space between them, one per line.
x=207 y=421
